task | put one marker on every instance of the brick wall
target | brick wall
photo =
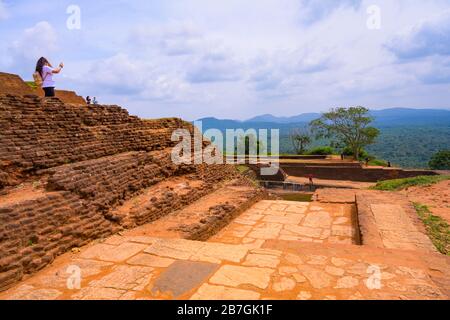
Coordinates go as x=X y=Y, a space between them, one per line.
x=352 y=174
x=39 y=134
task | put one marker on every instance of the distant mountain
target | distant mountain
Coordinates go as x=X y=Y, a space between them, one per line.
x=406 y=117
x=394 y=116
x=306 y=117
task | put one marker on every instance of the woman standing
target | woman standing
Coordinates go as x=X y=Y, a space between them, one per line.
x=46 y=71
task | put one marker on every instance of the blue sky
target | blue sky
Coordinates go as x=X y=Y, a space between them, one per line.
x=237 y=58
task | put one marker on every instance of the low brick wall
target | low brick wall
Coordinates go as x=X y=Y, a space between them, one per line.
x=34 y=232
x=220 y=216
x=352 y=174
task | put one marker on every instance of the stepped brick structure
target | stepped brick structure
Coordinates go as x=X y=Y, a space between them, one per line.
x=66 y=172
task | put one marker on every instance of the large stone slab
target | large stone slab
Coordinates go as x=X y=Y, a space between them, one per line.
x=175 y=248
x=304 y=231
x=262 y=260
x=90 y=293
x=318 y=219
x=218 y=252
x=27 y=292
x=111 y=253
x=317 y=278
x=209 y=292
x=392 y=217
x=235 y=276
x=150 y=261
x=182 y=277
x=125 y=278
x=266 y=231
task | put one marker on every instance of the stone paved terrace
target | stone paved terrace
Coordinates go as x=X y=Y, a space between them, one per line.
x=293 y=221
x=278 y=253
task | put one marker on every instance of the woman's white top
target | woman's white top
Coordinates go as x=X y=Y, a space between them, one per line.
x=47 y=77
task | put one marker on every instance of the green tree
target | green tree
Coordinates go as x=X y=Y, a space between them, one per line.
x=300 y=139
x=349 y=126
x=441 y=160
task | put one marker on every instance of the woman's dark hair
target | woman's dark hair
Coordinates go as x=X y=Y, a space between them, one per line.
x=40 y=64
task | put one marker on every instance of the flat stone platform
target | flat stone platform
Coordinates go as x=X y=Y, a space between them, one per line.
x=272 y=251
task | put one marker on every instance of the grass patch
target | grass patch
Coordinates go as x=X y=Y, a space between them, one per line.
x=31 y=84
x=378 y=163
x=400 y=184
x=437 y=228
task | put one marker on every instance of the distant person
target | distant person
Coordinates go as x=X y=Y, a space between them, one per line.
x=95 y=101
x=367 y=162
x=342 y=157
x=389 y=164
x=311 y=181
x=88 y=100
x=45 y=71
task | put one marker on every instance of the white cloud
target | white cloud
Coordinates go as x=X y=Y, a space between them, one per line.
x=312 y=11
x=3 y=11
x=39 y=40
x=174 y=39
x=121 y=75
x=426 y=38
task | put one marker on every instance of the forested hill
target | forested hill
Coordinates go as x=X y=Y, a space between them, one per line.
x=409 y=137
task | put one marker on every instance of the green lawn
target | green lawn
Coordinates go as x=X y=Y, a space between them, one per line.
x=400 y=184
x=437 y=228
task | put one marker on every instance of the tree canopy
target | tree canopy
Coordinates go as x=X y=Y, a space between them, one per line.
x=441 y=160
x=348 y=126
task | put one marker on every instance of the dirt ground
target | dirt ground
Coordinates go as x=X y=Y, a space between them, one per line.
x=436 y=197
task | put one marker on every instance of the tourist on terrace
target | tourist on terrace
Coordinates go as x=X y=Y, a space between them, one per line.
x=88 y=100
x=311 y=181
x=46 y=71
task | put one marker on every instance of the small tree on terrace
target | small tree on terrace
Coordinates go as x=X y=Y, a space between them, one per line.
x=300 y=139
x=349 y=126
x=441 y=160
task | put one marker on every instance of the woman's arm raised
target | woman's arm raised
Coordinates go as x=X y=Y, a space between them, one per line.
x=58 y=70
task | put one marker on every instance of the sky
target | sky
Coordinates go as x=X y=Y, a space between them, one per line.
x=236 y=59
